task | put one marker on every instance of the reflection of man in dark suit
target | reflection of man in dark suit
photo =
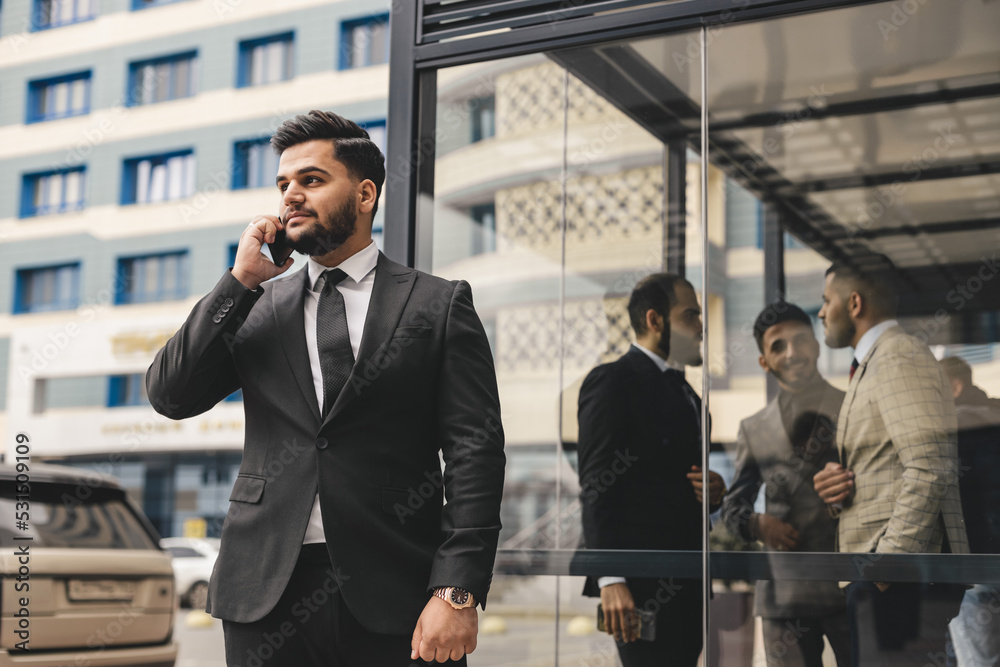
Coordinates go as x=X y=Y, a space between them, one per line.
x=783 y=446
x=976 y=630
x=897 y=479
x=641 y=484
x=338 y=549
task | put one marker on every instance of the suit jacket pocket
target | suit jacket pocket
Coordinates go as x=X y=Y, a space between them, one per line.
x=875 y=512
x=247 y=489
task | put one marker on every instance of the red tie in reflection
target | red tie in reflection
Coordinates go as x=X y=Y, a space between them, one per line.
x=854 y=367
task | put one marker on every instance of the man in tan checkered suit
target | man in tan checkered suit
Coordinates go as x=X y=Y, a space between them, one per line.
x=896 y=488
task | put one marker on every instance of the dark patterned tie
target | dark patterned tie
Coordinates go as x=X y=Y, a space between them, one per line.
x=677 y=377
x=336 y=358
x=854 y=367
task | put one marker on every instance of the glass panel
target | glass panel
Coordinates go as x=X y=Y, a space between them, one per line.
x=868 y=135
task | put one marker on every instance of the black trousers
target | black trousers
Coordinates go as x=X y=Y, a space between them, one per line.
x=678 y=608
x=798 y=641
x=312 y=627
x=904 y=626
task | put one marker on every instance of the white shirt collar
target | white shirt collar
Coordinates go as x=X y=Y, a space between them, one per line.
x=357 y=266
x=660 y=362
x=869 y=337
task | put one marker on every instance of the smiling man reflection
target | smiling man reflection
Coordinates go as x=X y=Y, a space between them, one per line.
x=784 y=445
x=641 y=487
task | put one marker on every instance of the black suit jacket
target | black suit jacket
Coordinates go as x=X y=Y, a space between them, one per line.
x=638 y=439
x=423 y=383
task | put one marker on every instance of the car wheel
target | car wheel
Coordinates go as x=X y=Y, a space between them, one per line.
x=197 y=595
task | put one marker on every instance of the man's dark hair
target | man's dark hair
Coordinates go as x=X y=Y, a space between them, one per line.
x=873 y=276
x=957 y=368
x=351 y=144
x=654 y=292
x=776 y=313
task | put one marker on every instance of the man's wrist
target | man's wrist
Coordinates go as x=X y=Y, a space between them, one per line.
x=246 y=280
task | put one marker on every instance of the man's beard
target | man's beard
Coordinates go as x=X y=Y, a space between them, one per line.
x=837 y=337
x=685 y=349
x=330 y=234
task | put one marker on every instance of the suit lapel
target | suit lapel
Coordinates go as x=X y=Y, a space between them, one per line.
x=393 y=283
x=852 y=392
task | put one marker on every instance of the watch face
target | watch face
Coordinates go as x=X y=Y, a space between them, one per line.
x=459 y=597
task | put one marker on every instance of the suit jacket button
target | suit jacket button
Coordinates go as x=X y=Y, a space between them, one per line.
x=228 y=303
x=322 y=443
x=217 y=318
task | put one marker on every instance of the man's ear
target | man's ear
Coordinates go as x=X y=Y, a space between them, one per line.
x=367 y=196
x=763 y=363
x=856 y=305
x=654 y=321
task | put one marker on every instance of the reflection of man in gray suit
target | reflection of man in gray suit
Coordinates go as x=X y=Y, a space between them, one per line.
x=782 y=447
x=357 y=374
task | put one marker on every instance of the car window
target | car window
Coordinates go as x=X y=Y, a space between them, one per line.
x=72 y=516
x=183 y=552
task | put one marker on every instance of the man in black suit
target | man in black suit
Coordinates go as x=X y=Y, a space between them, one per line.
x=641 y=484
x=784 y=445
x=338 y=548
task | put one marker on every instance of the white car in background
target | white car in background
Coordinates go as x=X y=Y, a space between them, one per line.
x=193 y=560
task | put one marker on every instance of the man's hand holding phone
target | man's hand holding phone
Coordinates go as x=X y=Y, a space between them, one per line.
x=251 y=267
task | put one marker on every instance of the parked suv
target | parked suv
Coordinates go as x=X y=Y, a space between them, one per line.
x=194 y=559
x=84 y=581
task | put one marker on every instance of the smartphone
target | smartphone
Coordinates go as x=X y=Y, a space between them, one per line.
x=279 y=250
x=645 y=619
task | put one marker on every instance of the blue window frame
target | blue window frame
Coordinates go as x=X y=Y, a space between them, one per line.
x=59 y=97
x=145 y=4
x=51 y=192
x=255 y=164
x=376 y=132
x=231 y=253
x=158 y=178
x=54 y=13
x=364 y=42
x=162 y=79
x=47 y=288
x=483 y=118
x=265 y=60
x=125 y=390
x=150 y=278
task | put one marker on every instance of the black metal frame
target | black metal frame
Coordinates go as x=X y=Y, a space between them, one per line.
x=536 y=26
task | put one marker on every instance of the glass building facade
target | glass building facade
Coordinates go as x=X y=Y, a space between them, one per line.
x=744 y=146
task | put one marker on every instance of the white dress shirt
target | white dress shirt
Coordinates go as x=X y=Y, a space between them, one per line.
x=356 y=289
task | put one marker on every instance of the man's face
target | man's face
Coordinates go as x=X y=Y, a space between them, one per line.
x=790 y=354
x=685 y=327
x=837 y=323
x=319 y=199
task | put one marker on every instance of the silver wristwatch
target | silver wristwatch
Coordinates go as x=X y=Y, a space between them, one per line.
x=458 y=598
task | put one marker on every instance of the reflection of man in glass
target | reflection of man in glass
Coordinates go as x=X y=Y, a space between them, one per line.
x=641 y=484
x=898 y=484
x=976 y=630
x=784 y=445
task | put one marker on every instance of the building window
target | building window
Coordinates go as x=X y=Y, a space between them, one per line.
x=376 y=132
x=125 y=390
x=162 y=79
x=484 y=231
x=152 y=278
x=266 y=60
x=483 y=118
x=255 y=164
x=55 y=13
x=48 y=288
x=59 y=97
x=158 y=178
x=52 y=192
x=145 y=4
x=364 y=42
